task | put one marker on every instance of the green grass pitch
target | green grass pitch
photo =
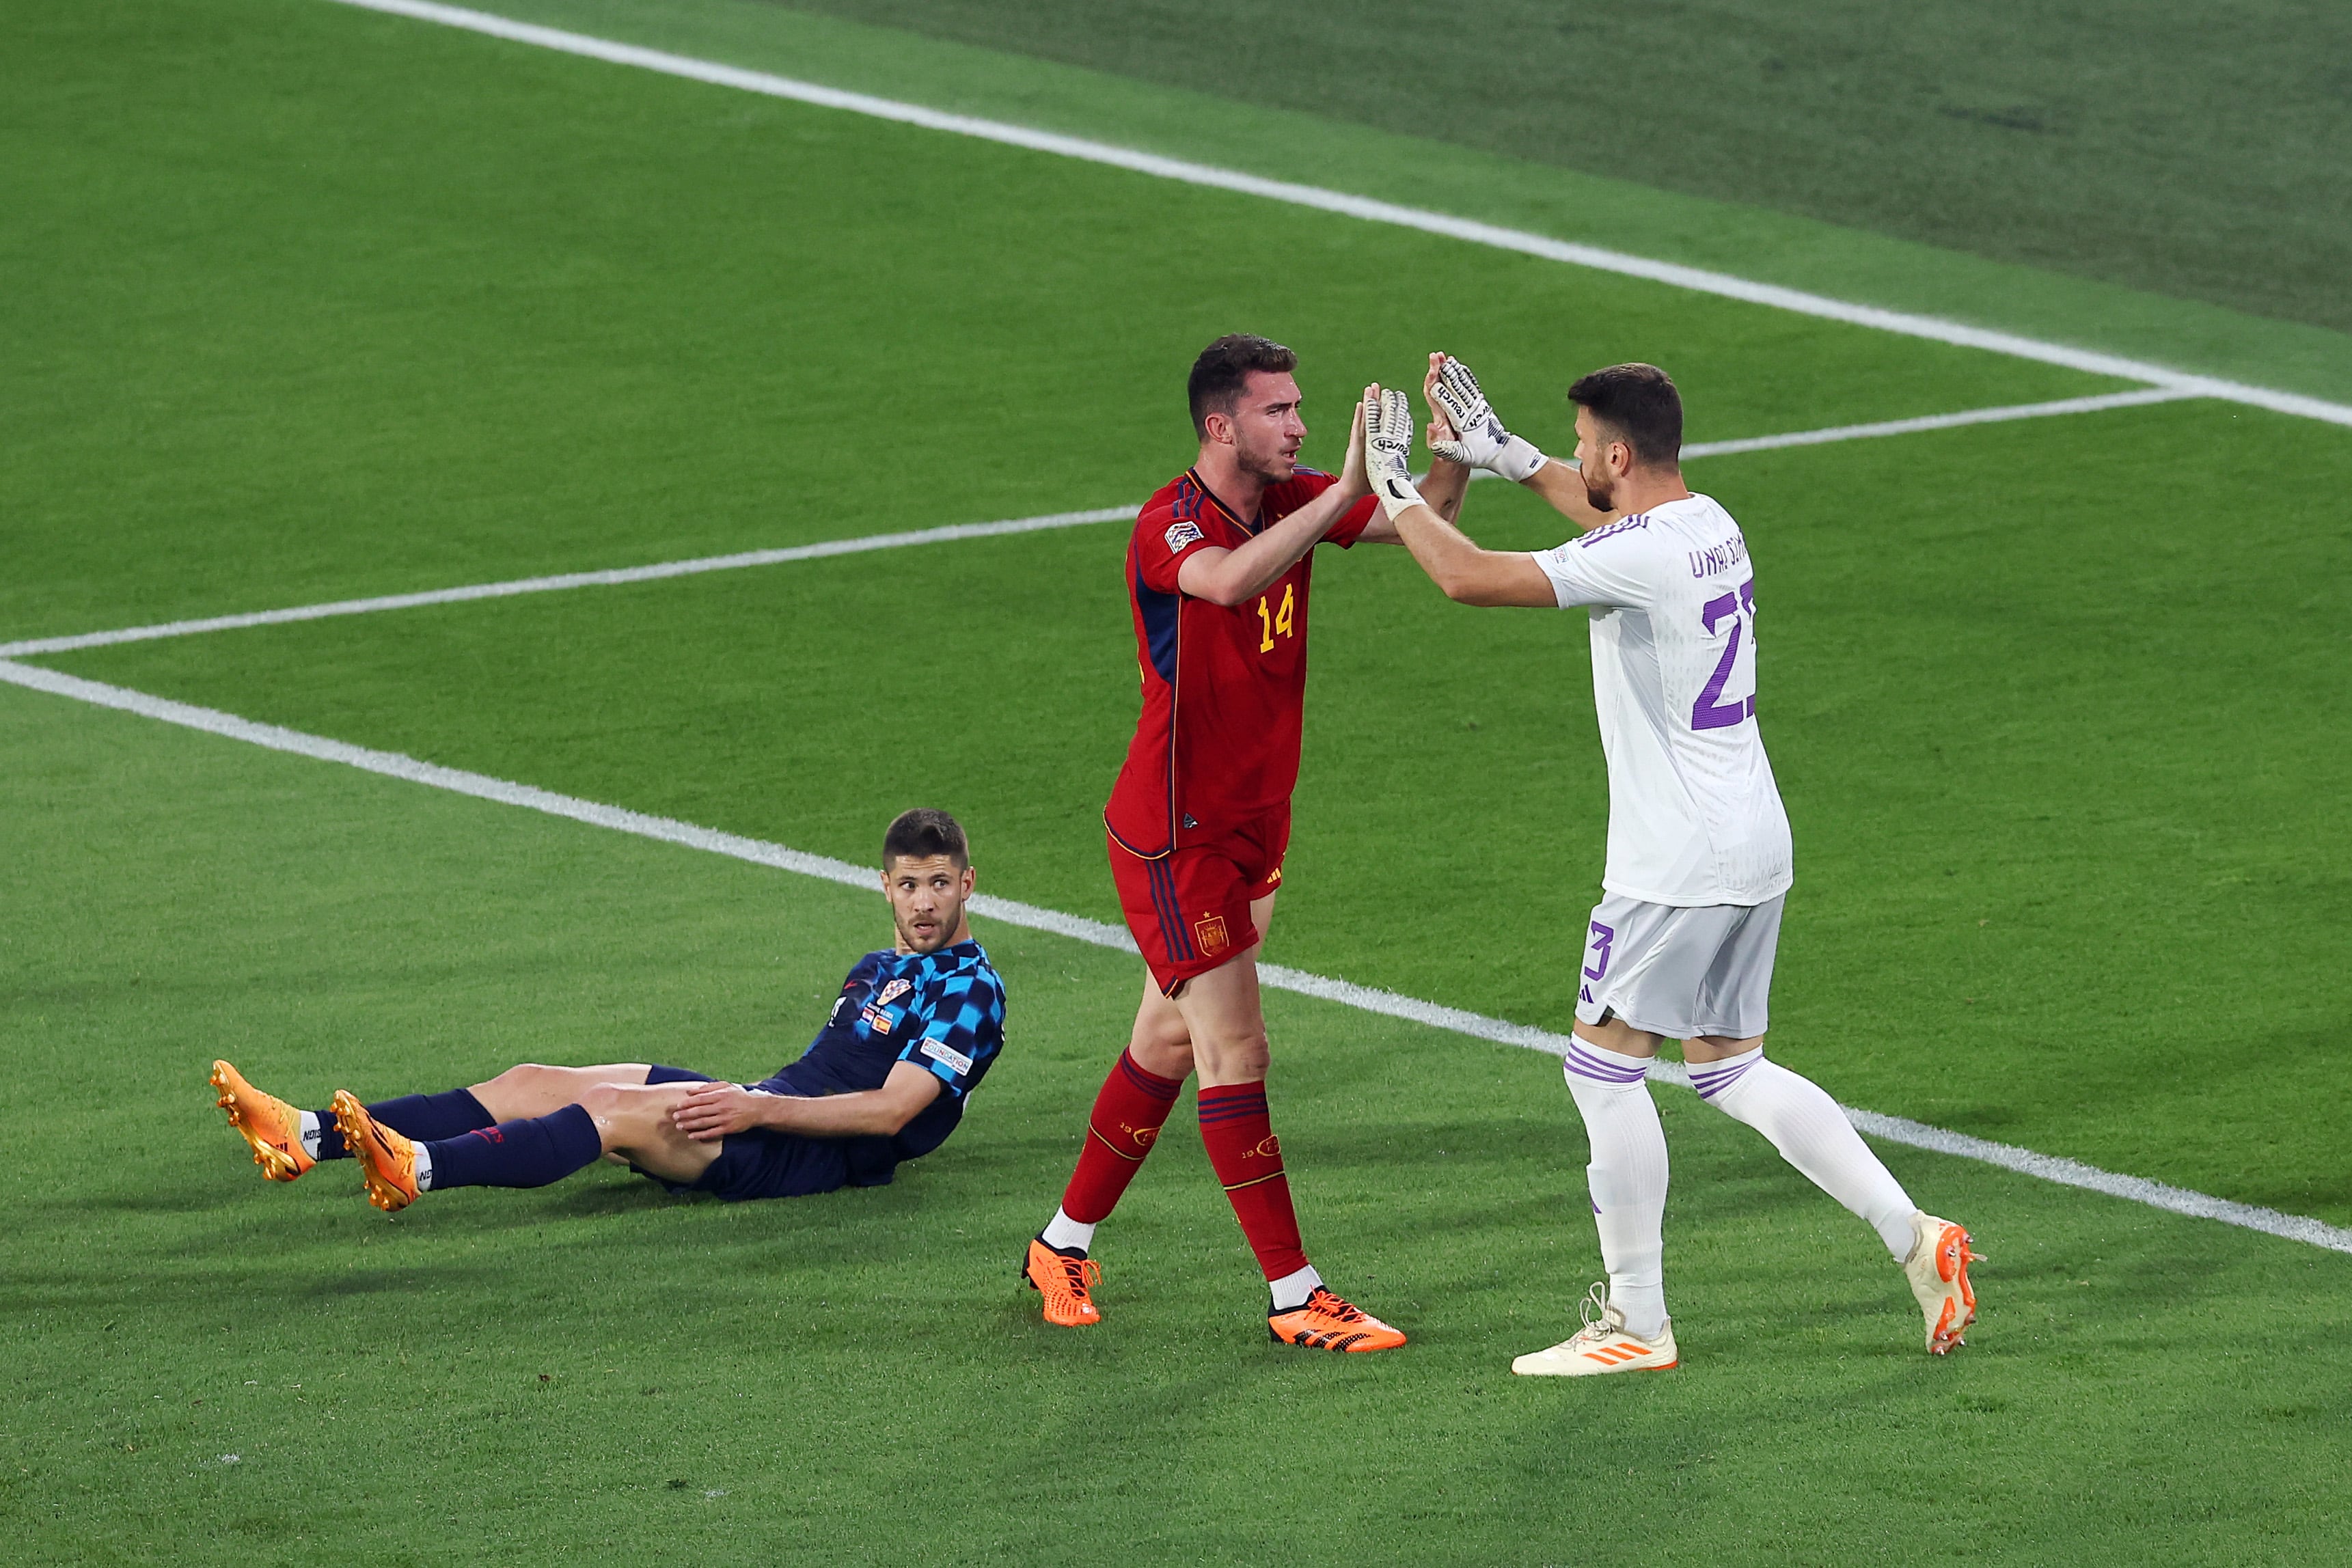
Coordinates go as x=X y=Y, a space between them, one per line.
x=305 y=304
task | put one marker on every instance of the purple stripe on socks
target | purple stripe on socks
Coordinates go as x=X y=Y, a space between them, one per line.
x=1605 y=1067
x=1710 y=1082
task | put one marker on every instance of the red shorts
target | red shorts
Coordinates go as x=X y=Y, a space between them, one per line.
x=1190 y=908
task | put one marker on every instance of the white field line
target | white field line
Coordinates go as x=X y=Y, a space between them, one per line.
x=2099 y=403
x=618 y=575
x=1894 y=1129
x=568 y=579
x=1470 y=231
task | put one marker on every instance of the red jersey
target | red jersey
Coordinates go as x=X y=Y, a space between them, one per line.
x=1223 y=690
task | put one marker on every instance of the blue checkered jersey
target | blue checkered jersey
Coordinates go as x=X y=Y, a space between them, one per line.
x=943 y=1011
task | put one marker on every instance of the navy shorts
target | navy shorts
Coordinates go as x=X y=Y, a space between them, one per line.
x=774 y=1165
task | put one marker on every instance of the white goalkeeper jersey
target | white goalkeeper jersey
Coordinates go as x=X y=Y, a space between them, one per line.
x=1694 y=815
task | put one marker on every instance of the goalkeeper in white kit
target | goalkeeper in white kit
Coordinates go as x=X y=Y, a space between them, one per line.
x=1682 y=943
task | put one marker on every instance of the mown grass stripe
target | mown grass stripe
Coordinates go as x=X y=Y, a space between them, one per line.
x=606 y=579
x=1365 y=999
x=1697 y=279
x=617 y=576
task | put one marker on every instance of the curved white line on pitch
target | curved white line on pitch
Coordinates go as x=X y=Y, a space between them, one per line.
x=1697 y=279
x=391 y=764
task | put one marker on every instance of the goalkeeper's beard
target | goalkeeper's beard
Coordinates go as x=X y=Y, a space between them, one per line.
x=1603 y=495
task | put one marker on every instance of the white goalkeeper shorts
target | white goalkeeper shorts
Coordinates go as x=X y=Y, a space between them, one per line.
x=1680 y=973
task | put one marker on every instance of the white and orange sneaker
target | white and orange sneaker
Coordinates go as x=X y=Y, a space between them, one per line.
x=1601 y=1345
x=1937 y=1268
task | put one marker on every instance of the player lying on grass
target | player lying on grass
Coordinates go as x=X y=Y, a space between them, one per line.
x=1217 y=569
x=910 y=1035
x=1681 y=947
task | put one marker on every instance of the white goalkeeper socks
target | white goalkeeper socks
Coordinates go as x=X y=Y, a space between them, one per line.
x=1627 y=1179
x=1813 y=1134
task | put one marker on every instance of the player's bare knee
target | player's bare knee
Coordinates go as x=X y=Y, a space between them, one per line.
x=620 y=1113
x=522 y=1076
x=1241 y=1056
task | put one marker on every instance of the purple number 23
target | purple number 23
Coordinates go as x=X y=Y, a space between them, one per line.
x=1710 y=712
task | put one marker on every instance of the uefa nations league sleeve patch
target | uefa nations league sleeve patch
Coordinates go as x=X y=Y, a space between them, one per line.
x=1179 y=534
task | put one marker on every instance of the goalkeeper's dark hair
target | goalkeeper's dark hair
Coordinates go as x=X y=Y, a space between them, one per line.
x=1224 y=368
x=1640 y=406
x=921 y=833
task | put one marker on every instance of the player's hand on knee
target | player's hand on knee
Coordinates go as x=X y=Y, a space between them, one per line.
x=1480 y=439
x=715 y=1110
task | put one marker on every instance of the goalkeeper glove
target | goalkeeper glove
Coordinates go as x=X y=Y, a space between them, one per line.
x=1388 y=450
x=1480 y=441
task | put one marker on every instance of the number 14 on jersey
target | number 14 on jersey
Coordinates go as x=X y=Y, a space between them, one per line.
x=1280 y=622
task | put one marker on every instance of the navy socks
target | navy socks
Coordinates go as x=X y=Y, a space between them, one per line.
x=529 y=1153
x=423 y=1117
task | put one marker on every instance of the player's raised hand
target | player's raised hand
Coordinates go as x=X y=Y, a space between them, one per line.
x=1352 y=473
x=714 y=1110
x=1441 y=435
x=1387 y=448
x=1480 y=440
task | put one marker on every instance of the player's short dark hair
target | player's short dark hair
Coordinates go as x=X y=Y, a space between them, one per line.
x=1222 y=372
x=923 y=832
x=1639 y=403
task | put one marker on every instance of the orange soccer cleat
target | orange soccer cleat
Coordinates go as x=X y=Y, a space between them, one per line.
x=1063 y=1279
x=269 y=1125
x=387 y=1160
x=1328 y=1323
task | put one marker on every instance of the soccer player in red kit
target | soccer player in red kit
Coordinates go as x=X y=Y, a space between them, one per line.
x=1218 y=570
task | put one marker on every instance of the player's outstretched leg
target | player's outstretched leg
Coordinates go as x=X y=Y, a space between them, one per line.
x=1813 y=1134
x=1128 y=1112
x=270 y=1126
x=1302 y=1309
x=1601 y=1345
x=1626 y=1180
x=531 y=1152
x=288 y=1141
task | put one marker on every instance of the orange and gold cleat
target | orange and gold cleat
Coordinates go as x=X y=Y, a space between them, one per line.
x=271 y=1126
x=1328 y=1323
x=1937 y=1268
x=387 y=1160
x=1063 y=1279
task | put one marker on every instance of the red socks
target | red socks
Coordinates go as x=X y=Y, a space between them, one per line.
x=1126 y=1119
x=1242 y=1147
x=1128 y=1116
